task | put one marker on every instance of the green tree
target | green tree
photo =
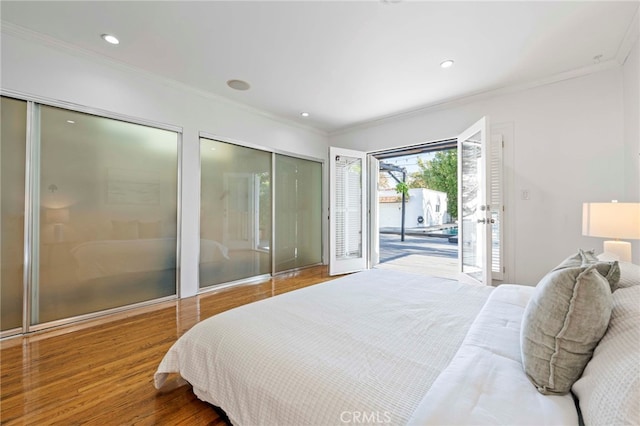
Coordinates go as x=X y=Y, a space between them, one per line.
x=440 y=174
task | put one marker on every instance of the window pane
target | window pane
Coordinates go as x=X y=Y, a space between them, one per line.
x=12 y=168
x=108 y=214
x=298 y=209
x=348 y=212
x=471 y=157
x=235 y=212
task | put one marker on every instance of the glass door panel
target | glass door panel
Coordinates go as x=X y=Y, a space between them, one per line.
x=235 y=212
x=474 y=221
x=298 y=211
x=107 y=214
x=12 y=204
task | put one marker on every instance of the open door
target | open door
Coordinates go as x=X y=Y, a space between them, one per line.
x=474 y=206
x=347 y=211
x=374 y=225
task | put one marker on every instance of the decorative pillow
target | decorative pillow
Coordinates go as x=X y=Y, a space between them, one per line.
x=629 y=272
x=573 y=261
x=149 y=229
x=562 y=324
x=609 y=389
x=607 y=268
x=124 y=230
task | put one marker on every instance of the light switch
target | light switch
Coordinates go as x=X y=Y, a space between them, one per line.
x=525 y=194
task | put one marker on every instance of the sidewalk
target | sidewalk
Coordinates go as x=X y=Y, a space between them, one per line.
x=428 y=231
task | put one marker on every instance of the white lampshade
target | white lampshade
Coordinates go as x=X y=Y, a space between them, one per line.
x=612 y=220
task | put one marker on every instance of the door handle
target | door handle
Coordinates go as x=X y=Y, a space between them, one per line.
x=482 y=221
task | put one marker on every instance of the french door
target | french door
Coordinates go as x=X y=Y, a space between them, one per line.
x=347 y=211
x=474 y=205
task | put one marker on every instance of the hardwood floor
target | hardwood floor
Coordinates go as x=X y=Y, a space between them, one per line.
x=101 y=372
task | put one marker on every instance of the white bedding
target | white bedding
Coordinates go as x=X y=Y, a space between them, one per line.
x=485 y=381
x=363 y=347
x=374 y=347
x=105 y=258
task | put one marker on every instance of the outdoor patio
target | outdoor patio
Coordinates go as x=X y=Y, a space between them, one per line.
x=418 y=253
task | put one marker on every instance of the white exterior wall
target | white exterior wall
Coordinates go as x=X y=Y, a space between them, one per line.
x=564 y=144
x=422 y=202
x=55 y=72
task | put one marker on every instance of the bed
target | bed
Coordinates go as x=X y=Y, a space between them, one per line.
x=395 y=348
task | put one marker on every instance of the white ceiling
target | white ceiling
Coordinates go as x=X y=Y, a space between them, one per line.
x=344 y=62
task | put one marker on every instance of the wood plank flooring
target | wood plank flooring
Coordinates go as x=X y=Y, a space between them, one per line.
x=101 y=371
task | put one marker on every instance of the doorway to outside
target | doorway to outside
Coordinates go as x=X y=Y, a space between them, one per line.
x=417 y=209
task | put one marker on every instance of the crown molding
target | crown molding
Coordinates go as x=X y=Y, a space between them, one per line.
x=42 y=39
x=474 y=97
x=631 y=37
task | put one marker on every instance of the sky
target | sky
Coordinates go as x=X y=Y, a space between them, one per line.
x=410 y=162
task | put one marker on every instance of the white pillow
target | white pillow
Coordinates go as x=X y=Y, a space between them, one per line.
x=609 y=389
x=629 y=272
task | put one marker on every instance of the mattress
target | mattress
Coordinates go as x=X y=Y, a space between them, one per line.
x=364 y=348
x=485 y=381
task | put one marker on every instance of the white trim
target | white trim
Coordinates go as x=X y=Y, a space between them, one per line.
x=469 y=98
x=631 y=37
x=237 y=142
x=179 y=216
x=33 y=36
x=88 y=110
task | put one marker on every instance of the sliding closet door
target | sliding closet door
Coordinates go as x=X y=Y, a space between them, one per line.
x=12 y=185
x=298 y=210
x=235 y=212
x=106 y=214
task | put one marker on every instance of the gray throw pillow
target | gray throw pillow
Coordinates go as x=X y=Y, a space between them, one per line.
x=562 y=324
x=629 y=272
x=610 y=269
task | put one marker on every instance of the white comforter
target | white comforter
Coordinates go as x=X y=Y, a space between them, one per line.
x=377 y=347
x=485 y=384
x=363 y=347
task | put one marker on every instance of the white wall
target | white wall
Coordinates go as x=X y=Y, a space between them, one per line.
x=564 y=144
x=421 y=202
x=631 y=91
x=56 y=73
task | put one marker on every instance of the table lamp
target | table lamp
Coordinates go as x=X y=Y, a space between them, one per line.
x=612 y=220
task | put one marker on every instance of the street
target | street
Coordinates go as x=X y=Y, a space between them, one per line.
x=392 y=248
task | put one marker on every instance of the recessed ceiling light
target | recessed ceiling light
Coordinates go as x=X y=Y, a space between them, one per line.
x=238 y=84
x=446 y=64
x=304 y=114
x=110 y=38
x=71 y=122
